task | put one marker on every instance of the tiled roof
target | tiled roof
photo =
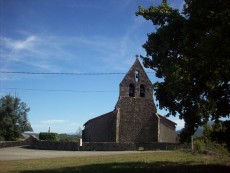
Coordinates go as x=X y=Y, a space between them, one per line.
x=166 y=119
x=99 y=117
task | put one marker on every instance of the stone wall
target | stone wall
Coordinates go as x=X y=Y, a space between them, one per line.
x=138 y=122
x=100 y=129
x=54 y=145
x=167 y=131
x=93 y=146
x=129 y=146
x=28 y=141
x=104 y=146
x=107 y=146
x=136 y=80
x=4 y=144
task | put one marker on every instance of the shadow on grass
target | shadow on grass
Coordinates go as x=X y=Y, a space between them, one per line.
x=137 y=167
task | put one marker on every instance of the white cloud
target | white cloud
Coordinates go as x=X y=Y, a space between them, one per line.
x=53 y=121
x=24 y=44
x=180 y=124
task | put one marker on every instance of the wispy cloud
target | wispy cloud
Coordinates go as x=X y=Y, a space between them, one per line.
x=44 y=53
x=53 y=53
x=53 y=121
x=19 y=44
x=50 y=53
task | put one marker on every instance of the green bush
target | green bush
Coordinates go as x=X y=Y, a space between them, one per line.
x=218 y=148
x=49 y=136
x=199 y=146
x=68 y=138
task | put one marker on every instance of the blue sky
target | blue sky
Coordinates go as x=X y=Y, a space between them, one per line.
x=70 y=36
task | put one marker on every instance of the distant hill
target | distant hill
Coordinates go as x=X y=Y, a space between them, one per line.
x=63 y=136
x=199 y=131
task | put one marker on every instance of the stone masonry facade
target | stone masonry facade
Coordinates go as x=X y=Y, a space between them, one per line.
x=134 y=118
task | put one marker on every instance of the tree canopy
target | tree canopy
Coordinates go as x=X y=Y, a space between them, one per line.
x=13 y=118
x=190 y=51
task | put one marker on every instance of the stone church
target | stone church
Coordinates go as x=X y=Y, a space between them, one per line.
x=134 y=118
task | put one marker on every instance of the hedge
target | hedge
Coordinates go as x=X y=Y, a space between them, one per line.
x=49 y=136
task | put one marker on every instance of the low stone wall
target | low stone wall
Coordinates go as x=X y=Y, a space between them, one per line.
x=4 y=144
x=111 y=146
x=108 y=146
x=103 y=146
x=29 y=141
x=92 y=146
x=54 y=145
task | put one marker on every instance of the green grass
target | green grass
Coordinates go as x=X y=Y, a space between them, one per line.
x=172 y=161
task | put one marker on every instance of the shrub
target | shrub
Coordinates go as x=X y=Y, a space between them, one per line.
x=48 y=136
x=218 y=148
x=67 y=138
x=2 y=138
x=199 y=146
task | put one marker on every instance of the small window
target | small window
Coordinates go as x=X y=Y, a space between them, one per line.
x=137 y=76
x=131 y=90
x=142 y=91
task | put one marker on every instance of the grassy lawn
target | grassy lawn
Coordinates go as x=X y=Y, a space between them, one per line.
x=172 y=161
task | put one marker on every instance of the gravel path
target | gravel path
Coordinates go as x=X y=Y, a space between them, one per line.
x=20 y=153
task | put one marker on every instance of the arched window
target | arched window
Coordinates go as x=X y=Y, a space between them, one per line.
x=136 y=75
x=142 y=90
x=131 y=90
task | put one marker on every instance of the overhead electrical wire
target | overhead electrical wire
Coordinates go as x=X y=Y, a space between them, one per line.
x=60 y=90
x=46 y=73
x=50 y=73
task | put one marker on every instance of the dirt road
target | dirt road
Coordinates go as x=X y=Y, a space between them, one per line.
x=20 y=153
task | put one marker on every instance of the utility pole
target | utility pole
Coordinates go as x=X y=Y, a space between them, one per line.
x=192 y=142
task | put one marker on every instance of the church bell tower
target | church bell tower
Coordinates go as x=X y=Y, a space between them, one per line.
x=136 y=118
x=136 y=83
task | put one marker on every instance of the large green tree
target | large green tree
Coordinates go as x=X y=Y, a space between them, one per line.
x=190 y=51
x=13 y=118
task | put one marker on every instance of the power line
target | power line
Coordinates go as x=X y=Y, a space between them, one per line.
x=46 y=73
x=59 y=90
x=49 y=73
